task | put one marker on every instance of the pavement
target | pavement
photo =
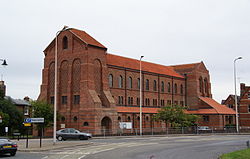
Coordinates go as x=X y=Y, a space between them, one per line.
x=47 y=144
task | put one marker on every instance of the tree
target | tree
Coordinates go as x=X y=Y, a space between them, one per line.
x=43 y=110
x=176 y=116
x=12 y=117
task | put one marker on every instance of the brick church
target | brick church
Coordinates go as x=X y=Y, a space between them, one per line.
x=97 y=90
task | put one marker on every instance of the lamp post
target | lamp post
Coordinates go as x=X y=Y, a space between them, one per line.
x=141 y=97
x=4 y=62
x=55 y=93
x=235 y=96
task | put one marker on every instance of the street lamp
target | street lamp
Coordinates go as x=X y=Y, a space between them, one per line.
x=55 y=93
x=140 y=98
x=235 y=96
x=4 y=62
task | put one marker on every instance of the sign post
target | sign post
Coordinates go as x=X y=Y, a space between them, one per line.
x=28 y=121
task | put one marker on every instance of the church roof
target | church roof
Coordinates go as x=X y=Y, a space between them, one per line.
x=86 y=38
x=146 y=66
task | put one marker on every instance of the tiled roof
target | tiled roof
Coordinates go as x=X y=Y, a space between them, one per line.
x=136 y=110
x=218 y=108
x=18 y=101
x=87 y=38
x=146 y=66
x=185 y=66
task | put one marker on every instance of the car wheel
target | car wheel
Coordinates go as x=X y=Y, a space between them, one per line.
x=13 y=153
x=60 y=138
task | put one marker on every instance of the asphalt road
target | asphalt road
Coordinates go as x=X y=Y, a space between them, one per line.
x=184 y=147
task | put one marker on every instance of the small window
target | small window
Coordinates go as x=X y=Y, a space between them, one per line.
x=138 y=83
x=76 y=99
x=169 y=87
x=175 y=88
x=205 y=118
x=110 y=80
x=119 y=118
x=120 y=80
x=147 y=118
x=248 y=108
x=162 y=86
x=52 y=100
x=26 y=110
x=147 y=84
x=129 y=118
x=248 y=96
x=181 y=89
x=138 y=118
x=63 y=118
x=64 y=99
x=130 y=83
x=138 y=101
x=85 y=124
x=65 y=42
x=155 y=85
x=75 y=118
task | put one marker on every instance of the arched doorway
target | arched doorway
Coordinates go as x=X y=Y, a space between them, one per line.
x=106 y=125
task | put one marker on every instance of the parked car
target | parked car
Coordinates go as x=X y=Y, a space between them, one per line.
x=7 y=146
x=71 y=133
x=203 y=128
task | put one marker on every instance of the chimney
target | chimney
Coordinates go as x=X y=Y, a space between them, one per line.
x=3 y=88
x=26 y=98
x=242 y=88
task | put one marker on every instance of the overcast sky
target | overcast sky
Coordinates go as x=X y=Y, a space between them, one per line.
x=167 y=32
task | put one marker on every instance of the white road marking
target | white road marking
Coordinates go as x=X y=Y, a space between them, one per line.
x=64 y=156
x=82 y=157
x=45 y=157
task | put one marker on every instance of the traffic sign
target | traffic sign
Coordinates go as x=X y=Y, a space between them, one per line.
x=34 y=120
x=27 y=124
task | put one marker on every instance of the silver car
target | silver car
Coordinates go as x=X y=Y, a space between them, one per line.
x=71 y=133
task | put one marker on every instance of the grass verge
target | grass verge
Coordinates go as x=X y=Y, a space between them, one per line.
x=241 y=154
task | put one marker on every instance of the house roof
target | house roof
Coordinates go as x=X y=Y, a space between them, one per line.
x=121 y=109
x=86 y=38
x=18 y=101
x=146 y=66
x=216 y=108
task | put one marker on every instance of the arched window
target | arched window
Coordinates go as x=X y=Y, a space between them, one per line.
x=85 y=124
x=175 y=88
x=120 y=82
x=169 y=87
x=65 y=42
x=130 y=82
x=147 y=84
x=110 y=80
x=181 y=89
x=205 y=85
x=155 y=85
x=129 y=118
x=162 y=86
x=119 y=118
x=138 y=83
x=201 y=84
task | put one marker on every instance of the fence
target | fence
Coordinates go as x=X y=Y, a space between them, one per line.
x=168 y=131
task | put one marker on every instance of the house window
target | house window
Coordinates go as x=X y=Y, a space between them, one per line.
x=169 y=87
x=120 y=100
x=147 y=101
x=162 y=102
x=249 y=108
x=248 y=96
x=155 y=85
x=120 y=82
x=64 y=100
x=138 y=83
x=85 y=124
x=175 y=88
x=65 y=42
x=130 y=100
x=205 y=118
x=147 y=84
x=119 y=118
x=162 y=86
x=230 y=105
x=201 y=84
x=52 y=100
x=130 y=82
x=181 y=103
x=76 y=99
x=154 y=102
x=26 y=110
x=129 y=118
x=181 y=89
x=110 y=80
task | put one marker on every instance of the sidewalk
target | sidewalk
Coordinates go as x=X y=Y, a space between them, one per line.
x=47 y=144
